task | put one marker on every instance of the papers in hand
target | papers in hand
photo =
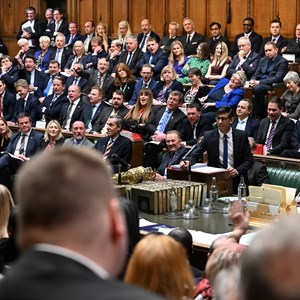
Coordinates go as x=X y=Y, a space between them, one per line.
x=11 y=155
x=27 y=26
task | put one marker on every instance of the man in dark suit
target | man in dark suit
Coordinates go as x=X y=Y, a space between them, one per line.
x=245 y=60
x=89 y=27
x=194 y=127
x=117 y=108
x=52 y=72
x=75 y=79
x=216 y=37
x=255 y=39
x=8 y=73
x=51 y=105
x=97 y=105
x=294 y=151
x=75 y=110
x=166 y=41
x=293 y=46
x=147 y=82
x=162 y=119
x=26 y=102
x=271 y=69
x=23 y=145
x=191 y=39
x=73 y=36
x=145 y=34
x=132 y=55
x=154 y=57
x=99 y=77
x=59 y=25
x=31 y=29
x=279 y=40
x=115 y=148
x=60 y=53
x=174 y=154
x=244 y=121
x=275 y=131
x=75 y=251
x=226 y=147
x=7 y=102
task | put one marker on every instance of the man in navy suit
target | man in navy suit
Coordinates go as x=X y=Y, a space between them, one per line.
x=226 y=147
x=7 y=102
x=275 y=131
x=294 y=152
x=255 y=39
x=271 y=69
x=115 y=148
x=279 y=40
x=174 y=155
x=145 y=34
x=244 y=121
x=245 y=60
x=166 y=41
x=154 y=57
x=73 y=36
x=89 y=27
x=293 y=46
x=60 y=53
x=23 y=145
x=75 y=78
x=191 y=39
x=59 y=25
x=147 y=82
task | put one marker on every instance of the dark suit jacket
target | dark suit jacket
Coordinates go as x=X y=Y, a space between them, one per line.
x=9 y=104
x=281 y=43
x=166 y=42
x=81 y=113
x=122 y=147
x=103 y=116
x=38 y=271
x=63 y=28
x=31 y=107
x=276 y=72
x=160 y=60
x=82 y=82
x=168 y=161
x=64 y=57
x=3 y=47
x=175 y=86
x=293 y=48
x=85 y=60
x=152 y=34
x=255 y=39
x=10 y=78
x=242 y=155
x=186 y=133
x=174 y=123
x=138 y=86
x=98 y=111
x=76 y=38
x=249 y=66
x=192 y=47
x=251 y=126
x=33 y=142
x=136 y=57
x=257 y=174
x=282 y=136
x=39 y=28
x=53 y=110
x=295 y=139
x=212 y=44
x=83 y=38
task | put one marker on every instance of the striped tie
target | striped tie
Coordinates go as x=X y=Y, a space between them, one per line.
x=108 y=148
x=271 y=135
x=163 y=121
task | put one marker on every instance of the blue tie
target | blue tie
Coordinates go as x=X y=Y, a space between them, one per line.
x=225 y=151
x=163 y=121
x=48 y=87
x=150 y=59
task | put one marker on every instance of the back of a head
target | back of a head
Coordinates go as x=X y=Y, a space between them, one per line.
x=159 y=264
x=183 y=236
x=61 y=188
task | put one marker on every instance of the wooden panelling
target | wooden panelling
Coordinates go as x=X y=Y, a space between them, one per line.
x=157 y=16
x=137 y=12
x=85 y=12
x=174 y=13
x=196 y=10
x=119 y=12
x=288 y=16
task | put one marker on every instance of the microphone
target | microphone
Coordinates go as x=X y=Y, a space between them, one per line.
x=189 y=152
x=121 y=160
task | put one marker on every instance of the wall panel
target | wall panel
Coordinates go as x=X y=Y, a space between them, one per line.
x=119 y=12
x=174 y=13
x=157 y=16
x=196 y=10
x=137 y=12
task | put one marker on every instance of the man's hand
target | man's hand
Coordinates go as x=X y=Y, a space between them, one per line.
x=158 y=136
x=232 y=172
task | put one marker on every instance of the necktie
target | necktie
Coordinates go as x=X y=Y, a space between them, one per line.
x=53 y=100
x=86 y=43
x=271 y=135
x=194 y=131
x=163 y=121
x=274 y=40
x=22 y=144
x=129 y=58
x=188 y=41
x=171 y=159
x=57 y=56
x=240 y=124
x=150 y=59
x=108 y=148
x=89 y=119
x=145 y=85
x=75 y=82
x=143 y=42
x=0 y=105
x=57 y=26
x=99 y=80
x=71 y=39
x=22 y=101
x=48 y=89
x=270 y=62
x=297 y=41
x=225 y=151
x=68 y=115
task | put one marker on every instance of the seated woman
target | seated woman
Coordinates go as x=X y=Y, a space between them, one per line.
x=124 y=31
x=167 y=84
x=137 y=117
x=8 y=73
x=177 y=58
x=52 y=138
x=197 y=90
x=101 y=32
x=160 y=264
x=43 y=56
x=124 y=81
x=291 y=97
x=218 y=67
x=225 y=93
x=5 y=134
x=200 y=61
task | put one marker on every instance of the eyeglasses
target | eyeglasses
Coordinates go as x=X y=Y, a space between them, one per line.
x=215 y=28
x=222 y=118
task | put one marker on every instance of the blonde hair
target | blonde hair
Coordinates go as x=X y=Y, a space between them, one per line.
x=128 y=33
x=7 y=134
x=224 y=55
x=47 y=136
x=6 y=206
x=160 y=264
x=82 y=47
x=168 y=68
x=172 y=57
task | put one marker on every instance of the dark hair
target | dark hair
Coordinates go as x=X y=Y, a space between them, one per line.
x=215 y=23
x=99 y=89
x=151 y=39
x=194 y=105
x=177 y=93
x=194 y=71
x=23 y=115
x=61 y=79
x=120 y=93
x=250 y=104
x=276 y=21
x=183 y=236
x=31 y=57
x=53 y=61
x=276 y=100
x=225 y=110
x=249 y=19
